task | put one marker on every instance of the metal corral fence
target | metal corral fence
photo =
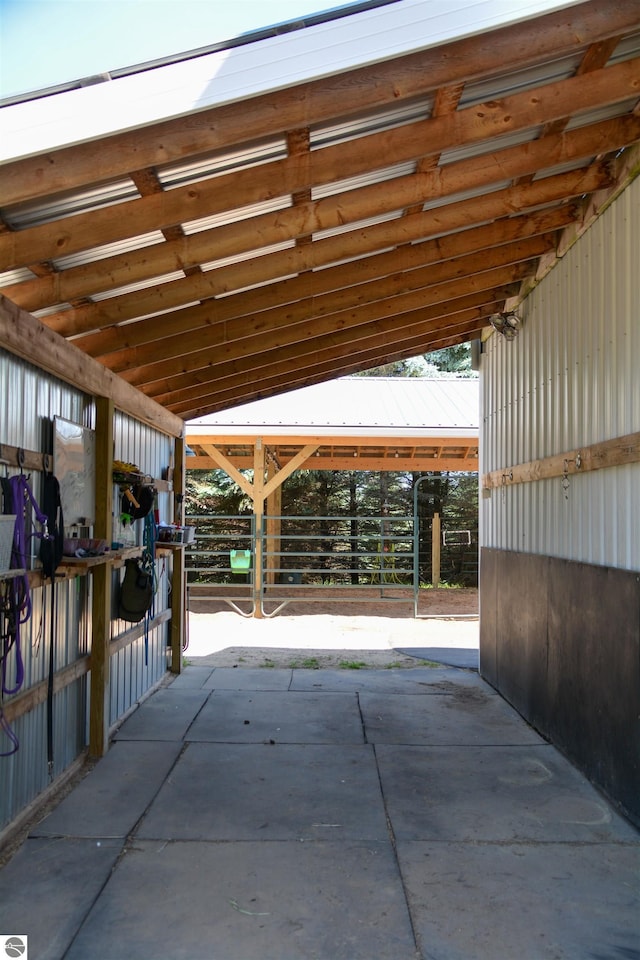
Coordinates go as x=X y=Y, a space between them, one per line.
x=299 y=557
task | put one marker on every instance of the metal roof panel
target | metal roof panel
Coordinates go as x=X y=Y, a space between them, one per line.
x=358 y=406
x=231 y=75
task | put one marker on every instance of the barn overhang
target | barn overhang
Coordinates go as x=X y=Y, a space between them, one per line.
x=265 y=227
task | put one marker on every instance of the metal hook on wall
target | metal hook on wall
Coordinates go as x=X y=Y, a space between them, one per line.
x=566 y=483
x=506 y=476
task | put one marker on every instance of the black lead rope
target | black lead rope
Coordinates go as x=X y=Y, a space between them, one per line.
x=52 y=637
x=51 y=554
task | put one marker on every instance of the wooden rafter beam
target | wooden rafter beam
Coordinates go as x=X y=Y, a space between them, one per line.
x=115 y=343
x=84 y=231
x=290 y=360
x=408 y=291
x=448 y=218
x=512 y=47
x=350 y=362
x=24 y=336
x=225 y=349
x=186 y=389
x=362 y=462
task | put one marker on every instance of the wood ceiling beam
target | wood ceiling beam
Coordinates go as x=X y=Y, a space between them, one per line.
x=192 y=386
x=368 y=462
x=373 y=86
x=24 y=336
x=194 y=438
x=595 y=58
x=417 y=332
x=390 y=330
x=472 y=125
x=318 y=373
x=445 y=101
x=391 y=464
x=256 y=340
x=408 y=290
x=443 y=219
x=113 y=340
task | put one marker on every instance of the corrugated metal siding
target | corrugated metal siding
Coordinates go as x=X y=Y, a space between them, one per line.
x=570 y=379
x=29 y=399
x=131 y=676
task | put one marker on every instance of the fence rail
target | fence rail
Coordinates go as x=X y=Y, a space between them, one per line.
x=292 y=558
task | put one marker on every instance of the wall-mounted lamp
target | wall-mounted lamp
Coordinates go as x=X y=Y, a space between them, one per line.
x=507 y=323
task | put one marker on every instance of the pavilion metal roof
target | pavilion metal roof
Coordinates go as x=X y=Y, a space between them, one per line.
x=247 y=221
x=357 y=406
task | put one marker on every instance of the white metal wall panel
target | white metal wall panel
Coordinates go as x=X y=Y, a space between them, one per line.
x=131 y=676
x=29 y=399
x=570 y=379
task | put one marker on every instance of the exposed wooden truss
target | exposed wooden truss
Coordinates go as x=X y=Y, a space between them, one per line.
x=397 y=237
x=380 y=454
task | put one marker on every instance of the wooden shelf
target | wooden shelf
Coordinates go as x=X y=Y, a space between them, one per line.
x=11 y=574
x=114 y=557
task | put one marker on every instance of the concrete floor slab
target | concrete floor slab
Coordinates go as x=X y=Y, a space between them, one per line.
x=113 y=797
x=417 y=680
x=466 y=657
x=556 y=901
x=248 y=678
x=505 y=851
x=48 y=888
x=250 y=901
x=489 y=793
x=221 y=791
x=260 y=716
x=468 y=715
x=167 y=715
x=192 y=677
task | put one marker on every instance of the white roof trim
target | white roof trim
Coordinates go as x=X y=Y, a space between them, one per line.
x=271 y=64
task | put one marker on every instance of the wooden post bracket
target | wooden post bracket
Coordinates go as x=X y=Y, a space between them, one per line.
x=597 y=456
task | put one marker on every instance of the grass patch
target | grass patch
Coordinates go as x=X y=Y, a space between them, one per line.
x=310 y=663
x=352 y=665
x=269 y=664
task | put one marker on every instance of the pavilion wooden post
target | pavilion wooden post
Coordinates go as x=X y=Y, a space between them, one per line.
x=258 y=511
x=435 y=550
x=178 y=606
x=102 y=575
x=273 y=525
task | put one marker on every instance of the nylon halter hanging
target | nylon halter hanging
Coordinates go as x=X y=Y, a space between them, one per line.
x=19 y=500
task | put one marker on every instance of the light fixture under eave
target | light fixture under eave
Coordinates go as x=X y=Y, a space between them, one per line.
x=507 y=323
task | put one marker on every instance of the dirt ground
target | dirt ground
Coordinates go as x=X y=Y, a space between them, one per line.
x=326 y=630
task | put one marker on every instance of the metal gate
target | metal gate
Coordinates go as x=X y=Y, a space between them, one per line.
x=302 y=558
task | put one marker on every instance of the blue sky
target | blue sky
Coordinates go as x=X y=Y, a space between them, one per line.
x=44 y=42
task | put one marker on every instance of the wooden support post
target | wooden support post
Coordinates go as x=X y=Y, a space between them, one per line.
x=435 y=550
x=273 y=524
x=101 y=602
x=178 y=604
x=258 y=511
